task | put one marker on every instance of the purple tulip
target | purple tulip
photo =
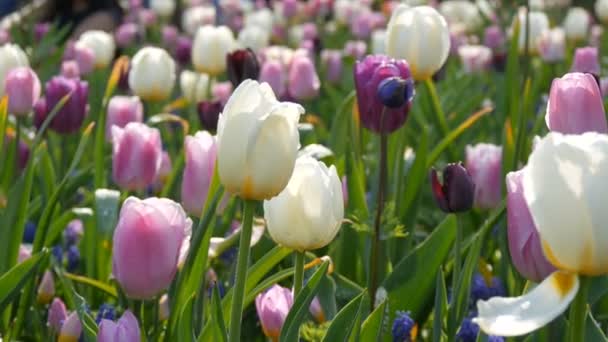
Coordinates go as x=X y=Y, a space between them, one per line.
x=457 y=191
x=272 y=307
x=137 y=155
x=40 y=112
x=484 y=163
x=494 y=38
x=273 y=73
x=169 y=35
x=290 y=8
x=23 y=89
x=586 y=60
x=126 y=329
x=71 y=115
x=57 y=314
x=73 y=232
x=150 y=241
x=201 y=152
x=71 y=328
x=70 y=69
x=85 y=57
x=524 y=241
x=332 y=62
x=356 y=49
x=303 y=81
x=41 y=30
x=121 y=111
x=369 y=74
x=575 y=105
x=126 y=34
x=362 y=24
x=209 y=113
x=183 y=50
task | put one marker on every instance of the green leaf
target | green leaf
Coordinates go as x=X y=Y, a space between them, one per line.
x=415 y=178
x=217 y=317
x=12 y=281
x=342 y=325
x=107 y=203
x=593 y=330
x=441 y=303
x=291 y=327
x=340 y=125
x=416 y=272
x=373 y=326
x=185 y=331
x=107 y=288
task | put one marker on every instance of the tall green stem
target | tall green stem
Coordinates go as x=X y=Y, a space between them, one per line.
x=382 y=175
x=236 y=313
x=439 y=113
x=298 y=276
x=457 y=250
x=578 y=312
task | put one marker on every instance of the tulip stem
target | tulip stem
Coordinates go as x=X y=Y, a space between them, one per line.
x=439 y=113
x=457 y=249
x=578 y=311
x=382 y=175
x=298 y=275
x=236 y=312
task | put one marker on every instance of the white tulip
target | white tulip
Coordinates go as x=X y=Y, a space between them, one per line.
x=263 y=18
x=379 y=42
x=539 y=23
x=101 y=43
x=577 y=24
x=11 y=56
x=461 y=12
x=195 y=17
x=210 y=47
x=419 y=35
x=194 y=86
x=164 y=8
x=152 y=74
x=308 y=213
x=258 y=141
x=254 y=37
x=601 y=10
x=552 y=45
x=565 y=184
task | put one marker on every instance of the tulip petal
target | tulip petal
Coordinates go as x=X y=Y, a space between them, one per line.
x=517 y=316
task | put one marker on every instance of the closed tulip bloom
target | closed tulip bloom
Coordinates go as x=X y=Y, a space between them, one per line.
x=221 y=91
x=484 y=164
x=152 y=74
x=242 y=64
x=494 y=38
x=71 y=329
x=274 y=74
x=538 y=23
x=368 y=75
x=457 y=192
x=11 y=56
x=197 y=16
x=136 y=156
x=210 y=47
x=201 y=152
x=316 y=310
x=23 y=89
x=126 y=329
x=552 y=45
x=164 y=8
x=575 y=105
x=150 y=240
x=183 y=50
x=194 y=86
x=601 y=10
x=355 y=48
x=46 y=289
x=424 y=55
x=258 y=141
x=303 y=81
x=332 y=62
x=72 y=113
x=563 y=185
x=290 y=8
x=272 y=308
x=169 y=35
x=70 y=69
x=586 y=60
x=57 y=314
x=254 y=37
x=25 y=252
x=577 y=23
x=209 y=114
x=85 y=58
x=121 y=111
x=308 y=213
x=475 y=58
x=126 y=34
x=102 y=44
x=524 y=242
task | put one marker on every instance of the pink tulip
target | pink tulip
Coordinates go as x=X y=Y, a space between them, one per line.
x=70 y=69
x=272 y=72
x=494 y=38
x=126 y=34
x=303 y=82
x=355 y=48
x=85 y=58
x=201 y=151
x=57 y=315
x=484 y=164
x=575 y=105
x=121 y=111
x=272 y=307
x=71 y=328
x=23 y=89
x=586 y=60
x=332 y=61
x=316 y=310
x=126 y=329
x=46 y=289
x=150 y=241
x=169 y=35
x=137 y=155
x=290 y=8
x=524 y=241
x=25 y=252
x=221 y=92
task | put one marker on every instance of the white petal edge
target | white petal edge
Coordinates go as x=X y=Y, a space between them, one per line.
x=501 y=316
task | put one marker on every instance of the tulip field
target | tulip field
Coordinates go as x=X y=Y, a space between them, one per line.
x=318 y=170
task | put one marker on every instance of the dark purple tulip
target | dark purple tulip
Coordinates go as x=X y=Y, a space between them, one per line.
x=209 y=113
x=183 y=50
x=369 y=73
x=23 y=150
x=40 y=112
x=242 y=64
x=457 y=191
x=71 y=115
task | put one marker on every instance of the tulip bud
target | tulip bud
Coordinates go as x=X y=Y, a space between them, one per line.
x=101 y=43
x=194 y=86
x=258 y=140
x=57 y=314
x=201 y=152
x=273 y=74
x=586 y=60
x=85 y=58
x=126 y=34
x=316 y=310
x=355 y=48
x=151 y=238
x=126 y=329
x=221 y=91
x=209 y=113
x=308 y=213
x=70 y=69
x=552 y=45
x=272 y=307
x=164 y=8
x=577 y=23
x=11 y=56
x=332 y=62
x=137 y=155
x=146 y=17
x=538 y=23
x=183 y=50
x=475 y=58
x=46 y=289
x=461 y=13
x=575 y=105
x=601 y=10
x=484 y=164
x=425 y=56
x=169 y=35
x=23 y=89
x=369 y=74
x=210 y=47
x=494 y=38
x=457 y=191
x=152 y=74
x=254 y=37
x=303 y=81
x=242 y=64
x=25 y=252
x=71 y=329
x=121 y=111
x=524 y=242
x=70 y=116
